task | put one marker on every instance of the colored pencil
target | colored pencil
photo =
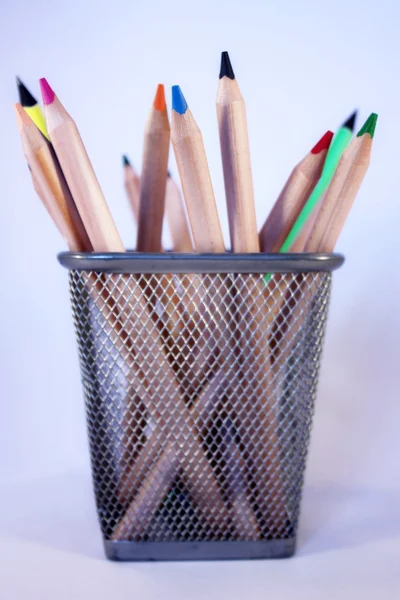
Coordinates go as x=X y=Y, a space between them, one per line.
x=177 y=219
x=337 y=147
x=235 y=152
x=195 y=177
x=343 y=189
x=293 y=196
x=153 y=178
x=32 y=107
x=50 y=183
x=79 y=173
x=132 y=186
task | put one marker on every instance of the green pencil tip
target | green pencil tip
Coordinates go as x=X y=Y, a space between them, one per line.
x=369 y=126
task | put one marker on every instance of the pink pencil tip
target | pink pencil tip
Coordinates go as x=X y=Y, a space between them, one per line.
x=47 y=92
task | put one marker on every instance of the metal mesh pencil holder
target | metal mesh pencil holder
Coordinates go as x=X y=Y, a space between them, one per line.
x=200 y=377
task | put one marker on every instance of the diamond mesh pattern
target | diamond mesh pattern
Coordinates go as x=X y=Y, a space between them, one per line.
x=199 y=395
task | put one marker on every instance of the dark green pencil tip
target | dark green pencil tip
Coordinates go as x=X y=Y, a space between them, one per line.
x=226 y=67
x=125 y=161
x=351 y=121
x=369 y=126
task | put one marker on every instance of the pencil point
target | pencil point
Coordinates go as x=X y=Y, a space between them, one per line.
x=226 y=67
x=22 y=116
x=169 y=174
x=323 y=143
x=125 y=161
x=351 y=121
x=369 y=126
x=47 y=93
x=159 y=100
x=179 y=103
x=25 y=97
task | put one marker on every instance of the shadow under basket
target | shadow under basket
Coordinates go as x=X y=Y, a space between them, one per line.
x=200 y=375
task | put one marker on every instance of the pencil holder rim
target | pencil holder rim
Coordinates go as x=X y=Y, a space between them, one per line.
x=171 y=262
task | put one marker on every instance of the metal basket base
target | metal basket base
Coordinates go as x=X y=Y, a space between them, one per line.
x=235 y=550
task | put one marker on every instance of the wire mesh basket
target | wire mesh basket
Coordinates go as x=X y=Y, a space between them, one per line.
x=200 y=376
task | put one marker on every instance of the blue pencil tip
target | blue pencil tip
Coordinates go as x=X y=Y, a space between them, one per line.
x=179 y=104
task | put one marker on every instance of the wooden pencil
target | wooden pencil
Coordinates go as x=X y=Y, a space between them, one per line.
x=153 y=178
x=195 y=177
x=132 y=186
x=79 y=174
x=293 y=196
x=235 y=152
x=343 y=189
x=177 y=219
x=50 y=184
x=207 y=235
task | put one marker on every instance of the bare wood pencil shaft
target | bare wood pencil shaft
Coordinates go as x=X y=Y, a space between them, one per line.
x=153 y=181
x=132 y=188
x=177 y=220
x=81 y=179
x=340 y=195
x=236 y=163
x=196 y=183
x=291 y=200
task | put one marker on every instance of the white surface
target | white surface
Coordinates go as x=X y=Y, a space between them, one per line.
x=307 y=64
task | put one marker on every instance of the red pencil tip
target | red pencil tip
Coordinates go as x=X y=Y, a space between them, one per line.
x=323 y=143
x=159 y=100
x=47 y=92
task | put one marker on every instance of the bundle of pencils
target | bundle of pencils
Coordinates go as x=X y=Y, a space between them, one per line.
x=308 y=216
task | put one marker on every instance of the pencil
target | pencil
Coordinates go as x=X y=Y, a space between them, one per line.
x=235 y=152
x=79 y=174
x=176 y=216
x=132 y=186
x=207 y=235
x=337 y=147
x=195 y=177
x=50 y=183
x=32 y=107
x=293 y=196
x=343 y=190
x=153 y=178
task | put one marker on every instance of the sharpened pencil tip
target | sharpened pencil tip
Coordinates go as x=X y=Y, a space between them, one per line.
x=125 y=161
x=169 y=174
x=21 y=115
x=226 y=67
x=179 y=103
x=25 y=97
x=47 y=93
x=323 y=143
x=351 y=121
x=369 y=126
x=159 y=100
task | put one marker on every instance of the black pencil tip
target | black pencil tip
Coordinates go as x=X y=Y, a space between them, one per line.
x=125 y=161
x=351 y=121
x=25 y=97
x=226 y=67
x=169 y=174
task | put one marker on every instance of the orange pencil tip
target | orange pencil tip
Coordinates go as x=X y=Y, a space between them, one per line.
x=159 y=100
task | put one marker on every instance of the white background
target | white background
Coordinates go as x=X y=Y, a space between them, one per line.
x=302 y=67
